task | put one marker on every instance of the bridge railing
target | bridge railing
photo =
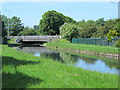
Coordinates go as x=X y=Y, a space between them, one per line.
x=35 y=37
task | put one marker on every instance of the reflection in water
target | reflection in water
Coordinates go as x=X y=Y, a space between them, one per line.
x=74 y=60
x=37 y=54
x=99 y=66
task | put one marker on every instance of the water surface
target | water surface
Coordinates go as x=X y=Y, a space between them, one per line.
x=92 y=64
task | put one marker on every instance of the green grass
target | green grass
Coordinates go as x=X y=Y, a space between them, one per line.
x=23 y=70
x=110 y=62
x=94 y=48
x=11 y=41
x=87 y=56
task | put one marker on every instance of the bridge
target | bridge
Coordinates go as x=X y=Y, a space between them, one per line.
x=34 y=39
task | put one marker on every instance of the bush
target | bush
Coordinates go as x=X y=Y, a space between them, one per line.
x=117 y=43
x=69 y=31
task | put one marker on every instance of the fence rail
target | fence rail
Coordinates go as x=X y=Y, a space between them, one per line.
x=95 y=41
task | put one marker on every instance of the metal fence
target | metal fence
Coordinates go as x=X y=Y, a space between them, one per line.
x=95 y=41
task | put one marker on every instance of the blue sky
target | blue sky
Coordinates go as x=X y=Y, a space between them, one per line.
x=31 y=12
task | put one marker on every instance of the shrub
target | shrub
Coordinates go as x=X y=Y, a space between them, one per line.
x=69 y=31
x=117 y=43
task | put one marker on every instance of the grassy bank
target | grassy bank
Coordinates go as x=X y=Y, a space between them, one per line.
x=23 y=70
x=11 y=41
x=87 y=56
x=85 y=47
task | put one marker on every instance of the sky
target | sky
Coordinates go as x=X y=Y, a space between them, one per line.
x=31 y=12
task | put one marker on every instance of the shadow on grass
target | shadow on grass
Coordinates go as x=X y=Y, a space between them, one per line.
x=13 y=45
x=12 y=61
x=15 y=62
x=17 y=80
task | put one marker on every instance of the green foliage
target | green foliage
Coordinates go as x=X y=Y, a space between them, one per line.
x=4 y=25
x=100 y=22
x=4 y=33
x=14 y=25
x=27 y=31
x=100 y=32
x=51 y=22
x=81 y=23
x=117 y=43
x=36 y=27
x=69 y=31
x=101 y=27
x=111 y=33
x=69 y=20
x=91 y=29
x=87 y=32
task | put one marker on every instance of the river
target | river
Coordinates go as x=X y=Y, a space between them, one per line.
x=88 y=63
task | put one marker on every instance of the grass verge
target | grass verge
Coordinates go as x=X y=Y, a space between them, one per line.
x=23 y=70
x=86 y=47
x=11 y=41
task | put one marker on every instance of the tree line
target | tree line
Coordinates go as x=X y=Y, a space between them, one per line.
x=55 y=23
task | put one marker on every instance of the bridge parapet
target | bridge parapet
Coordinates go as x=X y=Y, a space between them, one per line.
x=34 y=38
x=26 y=37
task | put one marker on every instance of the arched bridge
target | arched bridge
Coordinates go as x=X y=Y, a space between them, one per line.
x=34 y=39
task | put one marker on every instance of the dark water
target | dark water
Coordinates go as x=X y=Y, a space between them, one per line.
x=92 y=64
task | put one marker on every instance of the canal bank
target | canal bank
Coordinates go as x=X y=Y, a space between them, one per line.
x=100 y=54
x=91 y=63
x=35 y=72
x=102 y=51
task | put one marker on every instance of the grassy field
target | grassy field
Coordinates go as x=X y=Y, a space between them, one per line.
x=23 y=70
x=86 y=47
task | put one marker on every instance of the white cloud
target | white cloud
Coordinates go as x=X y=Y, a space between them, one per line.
x=59 y=0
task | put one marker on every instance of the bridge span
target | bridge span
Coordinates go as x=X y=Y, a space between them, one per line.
x=34 y=39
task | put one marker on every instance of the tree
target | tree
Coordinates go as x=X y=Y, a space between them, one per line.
x=100 y=32
x=81 y=23
x=4 y=25
x=36 y=27
x=27 y=31
x=3 y=32
x=15 y=26
x=69 y=20
x=112 y=33
x=51 y=22
x=100 y=22
x=69 y=31
x=87 y=32
x=90 y=23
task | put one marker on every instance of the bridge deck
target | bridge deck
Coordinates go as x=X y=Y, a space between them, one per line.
x=34 y=38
